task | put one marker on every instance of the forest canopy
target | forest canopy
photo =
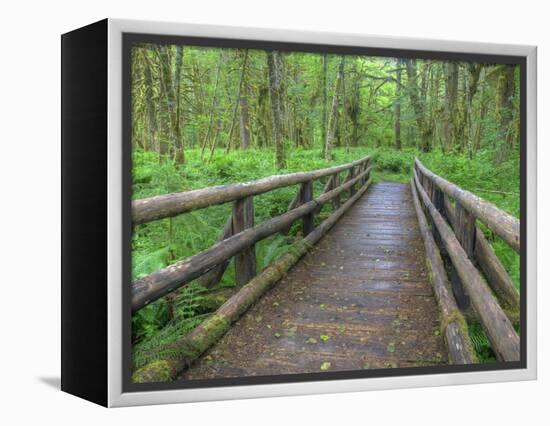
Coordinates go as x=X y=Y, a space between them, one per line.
x=216 y=99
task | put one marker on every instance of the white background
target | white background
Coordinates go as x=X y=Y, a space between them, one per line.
x=30 y=200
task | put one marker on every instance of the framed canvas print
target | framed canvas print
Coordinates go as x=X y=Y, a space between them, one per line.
x=252 y=212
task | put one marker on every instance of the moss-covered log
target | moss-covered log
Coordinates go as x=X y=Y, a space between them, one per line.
x=504 y=339
x=453 y=325
x=212 y=300
x=168 y=205
x=187 y=349
x=501 y=223
x=160 y=283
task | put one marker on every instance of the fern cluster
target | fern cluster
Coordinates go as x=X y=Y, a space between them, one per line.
x=481 y=343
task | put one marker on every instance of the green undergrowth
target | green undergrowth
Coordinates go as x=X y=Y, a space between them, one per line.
x=158 y=244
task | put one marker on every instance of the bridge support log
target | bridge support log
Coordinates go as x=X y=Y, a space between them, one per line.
x=211 y=278
x=502 y=336
x=191 y=346
x=453 y=324
x=245 y=261
x=329 y=186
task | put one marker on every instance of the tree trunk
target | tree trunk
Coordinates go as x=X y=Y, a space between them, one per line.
x=180 y=146
x=418 y=105
x=505 y=93
x=244 y=117
x=213 y=106
x=170 y=96
x=397 y=111
x=237 y=100
x=451 y=93
x=325 y=100
x=333 y=119
x=149 y=96
x=275 y=83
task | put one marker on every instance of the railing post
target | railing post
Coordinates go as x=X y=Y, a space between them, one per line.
x=306 y=195
x=351 y=175
x=367 y=176
x=245 y=261
x=438 y=200
x=465 y=229
x=335 y=184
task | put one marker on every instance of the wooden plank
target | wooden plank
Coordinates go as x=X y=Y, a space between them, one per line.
x=454 y=325
x=245 y=260
x=501 y=223
x=160 y=283
x=504 y=339
x=167 y=205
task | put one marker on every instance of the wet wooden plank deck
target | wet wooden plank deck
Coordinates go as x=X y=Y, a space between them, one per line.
x=360 y=299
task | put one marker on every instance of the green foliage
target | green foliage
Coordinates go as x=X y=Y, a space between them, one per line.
x=399 y=162
x=160 y=243
x=481 y=344
x=149 y=320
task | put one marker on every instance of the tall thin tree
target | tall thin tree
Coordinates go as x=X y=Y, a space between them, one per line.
x=397 y=105
x=333 y=118
x=275 y=88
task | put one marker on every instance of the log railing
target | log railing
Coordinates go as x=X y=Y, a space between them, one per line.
x=240 y=234
x=455 y=230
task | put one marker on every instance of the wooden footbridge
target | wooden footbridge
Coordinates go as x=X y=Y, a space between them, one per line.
x=387 y=280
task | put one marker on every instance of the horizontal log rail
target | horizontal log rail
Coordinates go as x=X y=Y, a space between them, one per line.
x=453 y=324
x=191 y=346
x=168 y=205
x=502 y=336
x=501 y=223
x=241 y=244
